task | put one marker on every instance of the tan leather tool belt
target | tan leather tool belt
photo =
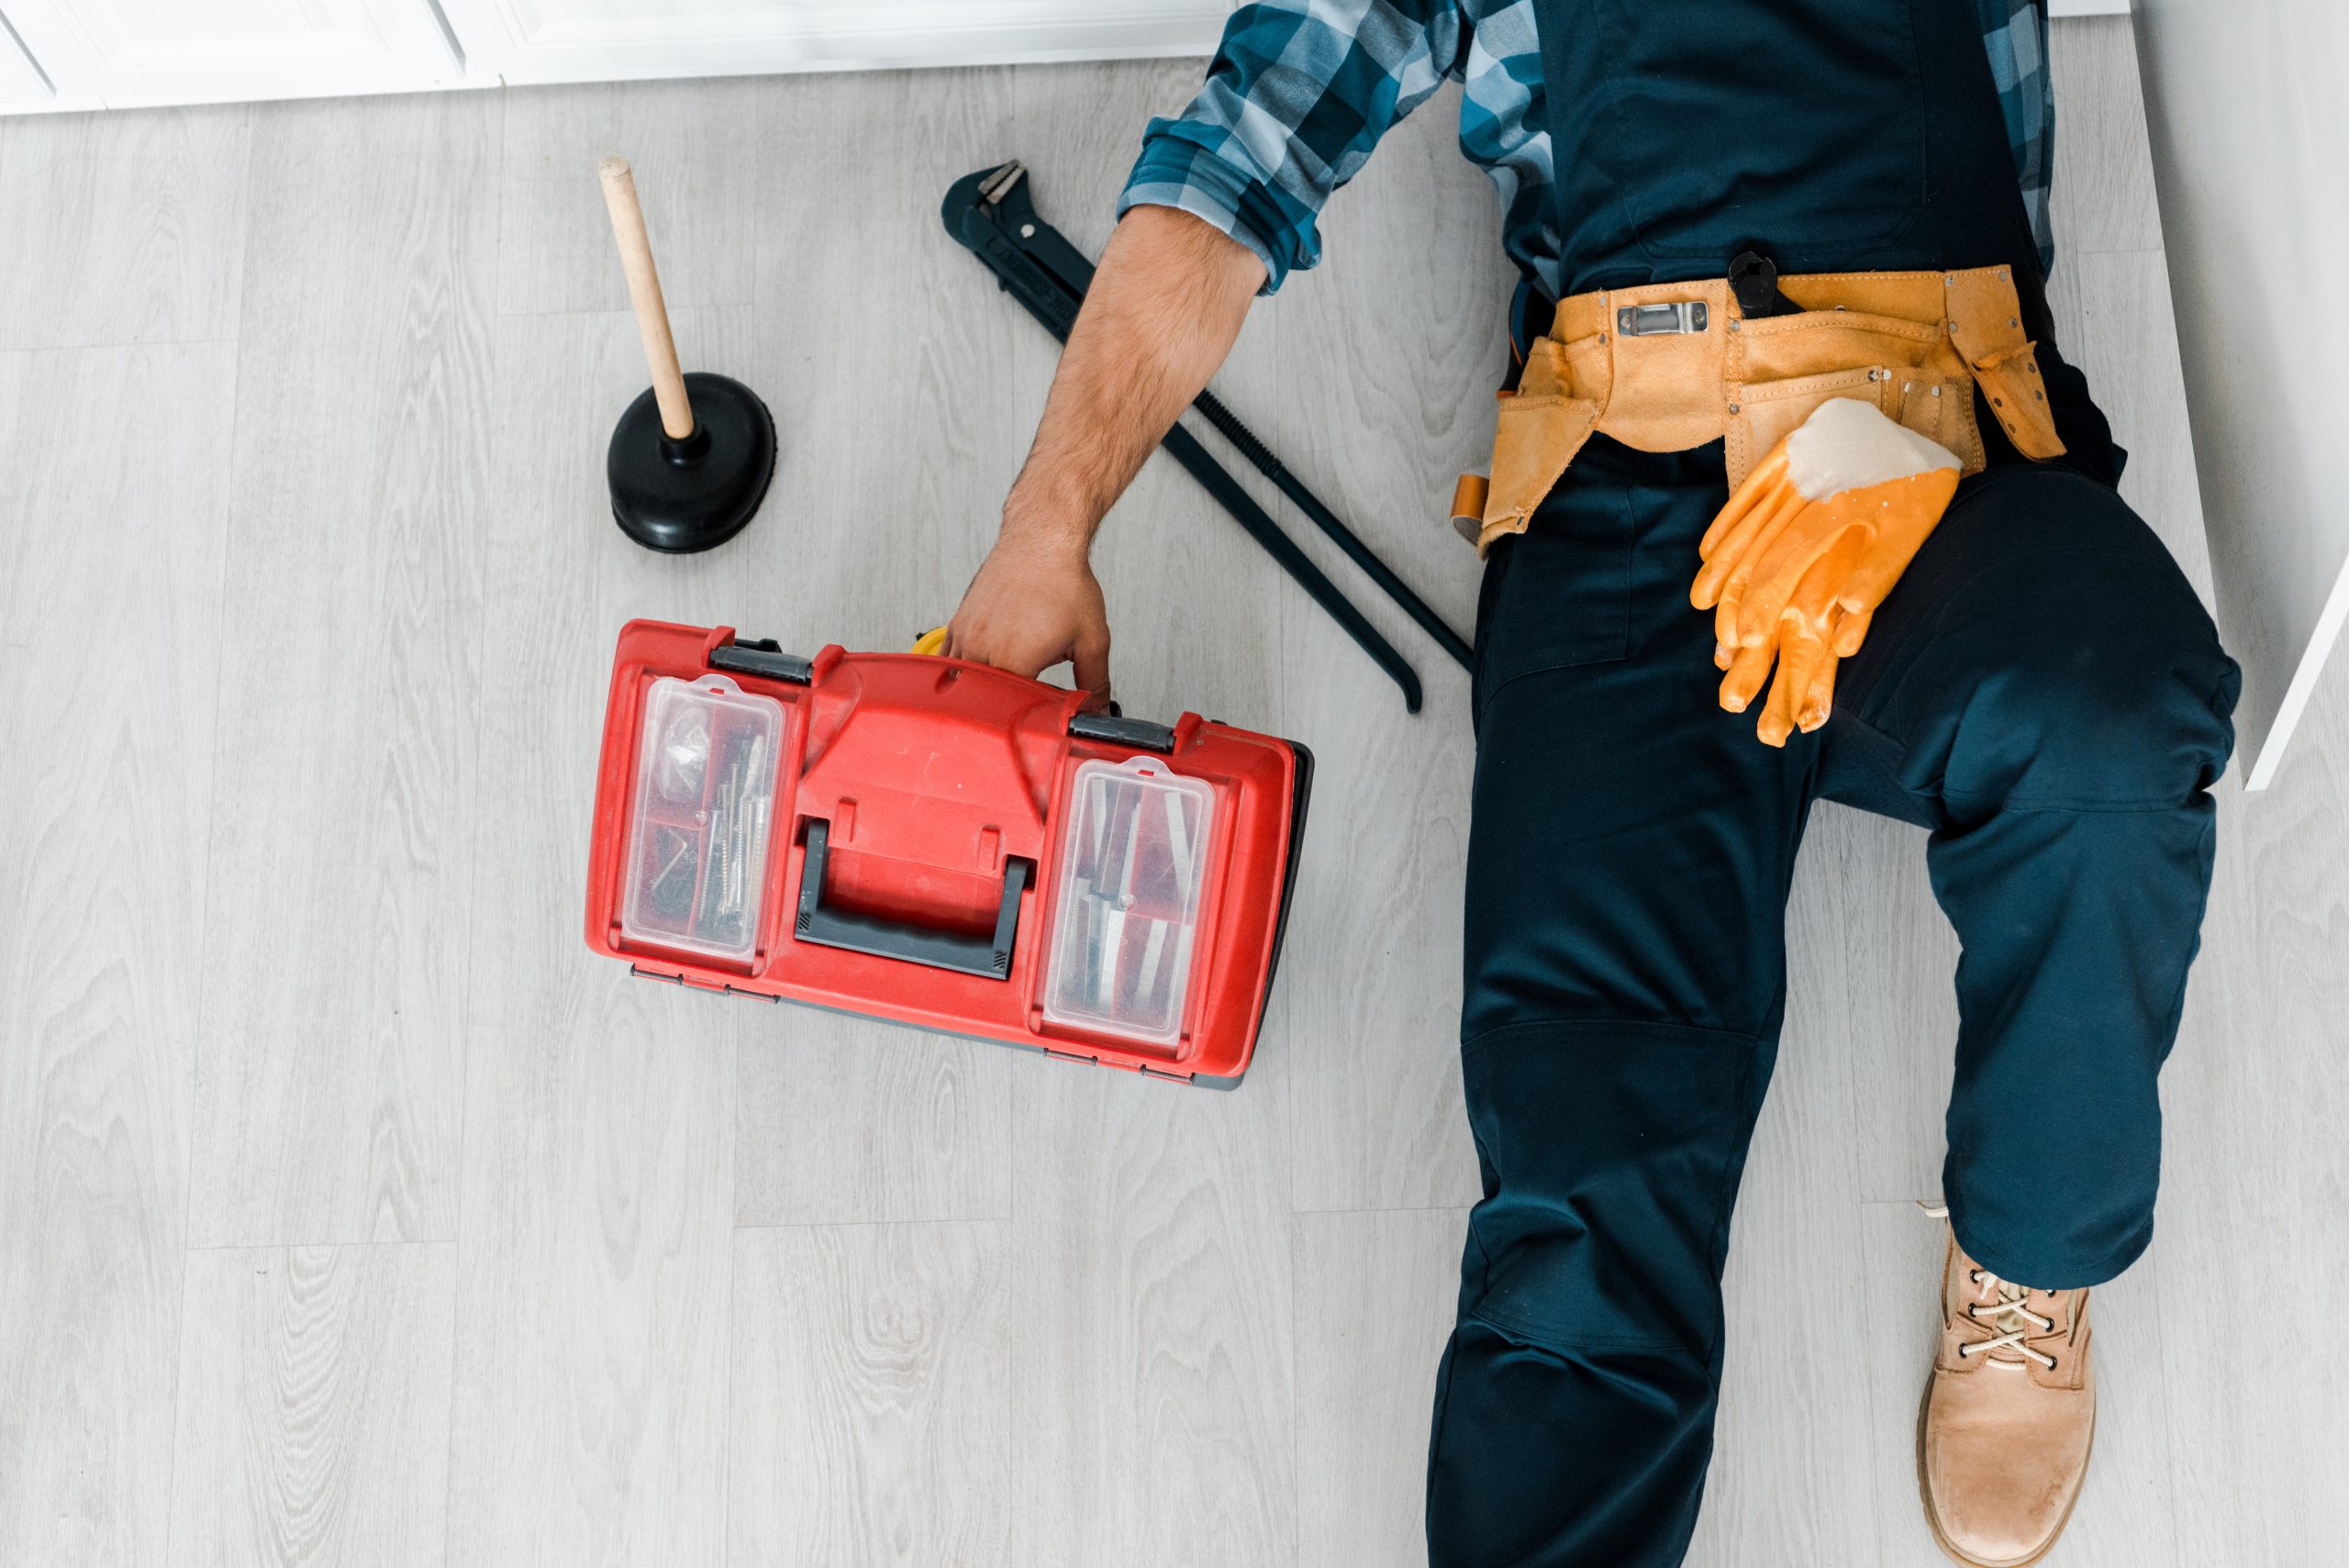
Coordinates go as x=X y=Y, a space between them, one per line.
x=1665 y=367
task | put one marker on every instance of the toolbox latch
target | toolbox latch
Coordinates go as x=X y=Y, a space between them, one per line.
x=1119 y=731
x=763 y=657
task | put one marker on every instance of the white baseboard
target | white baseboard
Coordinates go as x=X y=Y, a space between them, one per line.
x=537 y=40
x=541 y=40
x=48 y=61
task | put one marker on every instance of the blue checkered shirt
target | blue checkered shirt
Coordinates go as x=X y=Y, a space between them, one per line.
x=1302 y=90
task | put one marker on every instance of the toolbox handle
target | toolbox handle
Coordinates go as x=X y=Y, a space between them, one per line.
x=761 y=656
x=1120 y=731
x=987 y=956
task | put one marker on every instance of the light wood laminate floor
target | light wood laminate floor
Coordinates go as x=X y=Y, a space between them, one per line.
x=351 y=1212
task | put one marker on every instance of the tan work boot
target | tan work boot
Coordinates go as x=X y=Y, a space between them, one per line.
x=2009 y=1414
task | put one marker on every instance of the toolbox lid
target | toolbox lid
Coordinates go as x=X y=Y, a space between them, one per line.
x=1133 y=857
x=696 y=867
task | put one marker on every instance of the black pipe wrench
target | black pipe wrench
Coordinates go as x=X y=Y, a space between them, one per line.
x=992 y=214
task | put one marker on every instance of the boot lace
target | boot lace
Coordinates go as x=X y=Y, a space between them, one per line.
x=2001 y=1309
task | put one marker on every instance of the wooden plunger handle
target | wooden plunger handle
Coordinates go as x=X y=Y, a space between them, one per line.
x=644 y=293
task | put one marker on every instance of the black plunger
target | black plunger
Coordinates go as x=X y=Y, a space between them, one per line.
x=692 y=456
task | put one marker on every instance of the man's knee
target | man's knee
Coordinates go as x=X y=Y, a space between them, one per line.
x=1610 y=1152
x=2121 y=706
x=2067 y=660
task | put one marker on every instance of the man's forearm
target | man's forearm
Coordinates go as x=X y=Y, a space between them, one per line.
x=1165 y=306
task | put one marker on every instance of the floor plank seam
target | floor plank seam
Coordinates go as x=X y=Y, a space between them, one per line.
x=874 y=1224
x=117 y=344
x=370 y=1244
x=597 y=312
x=212 y=728
x=726 y=1478
x=179 y=1392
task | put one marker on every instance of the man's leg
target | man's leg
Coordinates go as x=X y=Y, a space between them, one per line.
x=2045 y=692
x=1627 y=867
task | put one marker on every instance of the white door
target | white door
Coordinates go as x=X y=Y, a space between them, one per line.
x=2250 y=123
x=588 y=40
x=21 y=86
x=199 y=51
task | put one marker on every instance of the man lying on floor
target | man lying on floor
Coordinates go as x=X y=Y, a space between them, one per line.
x=1796 y=248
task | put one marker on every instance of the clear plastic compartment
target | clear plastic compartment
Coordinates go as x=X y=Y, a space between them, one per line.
x=1131 y=864
x=697 y=839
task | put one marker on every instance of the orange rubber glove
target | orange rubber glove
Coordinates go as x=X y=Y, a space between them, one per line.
x=1813 y=635
x=1806 y=549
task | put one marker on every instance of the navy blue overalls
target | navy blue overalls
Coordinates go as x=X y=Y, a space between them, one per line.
x=2042 y=691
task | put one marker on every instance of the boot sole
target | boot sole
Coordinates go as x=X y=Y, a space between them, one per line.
x=1932 y=1520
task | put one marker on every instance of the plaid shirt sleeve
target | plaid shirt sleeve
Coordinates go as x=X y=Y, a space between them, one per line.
x=2015 y=33
x=1297 y=98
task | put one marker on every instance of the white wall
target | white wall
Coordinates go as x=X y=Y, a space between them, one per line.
x=2247 y=102
x=127 y=52
x=110 y=53
x=106 y=54
x=573 y=41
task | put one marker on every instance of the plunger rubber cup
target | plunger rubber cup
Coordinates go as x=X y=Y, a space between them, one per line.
x=682 y=497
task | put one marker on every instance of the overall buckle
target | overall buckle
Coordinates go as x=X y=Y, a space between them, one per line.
x=1661 y=320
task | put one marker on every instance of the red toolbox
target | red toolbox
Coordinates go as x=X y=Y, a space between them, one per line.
x=943 y=844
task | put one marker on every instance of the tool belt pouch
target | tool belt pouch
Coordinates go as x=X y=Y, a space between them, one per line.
x=1671 y=366
x=1537 y=434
